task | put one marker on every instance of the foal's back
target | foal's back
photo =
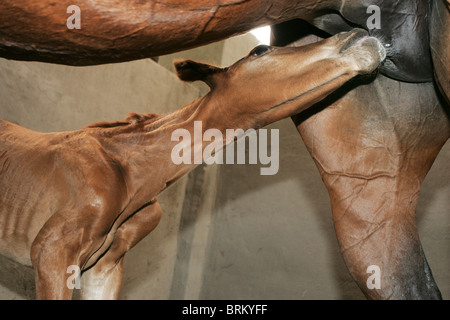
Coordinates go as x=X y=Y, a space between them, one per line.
x=38 y=177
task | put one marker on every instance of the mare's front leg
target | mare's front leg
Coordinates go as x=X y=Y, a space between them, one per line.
x=373 y=148
x=103 y=281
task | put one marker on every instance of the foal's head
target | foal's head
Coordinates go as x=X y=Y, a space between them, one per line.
x=269 y=78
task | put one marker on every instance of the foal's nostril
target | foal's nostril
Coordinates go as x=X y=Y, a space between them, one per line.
x=355 y=36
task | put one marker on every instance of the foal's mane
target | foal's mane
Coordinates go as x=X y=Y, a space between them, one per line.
x=132 y=119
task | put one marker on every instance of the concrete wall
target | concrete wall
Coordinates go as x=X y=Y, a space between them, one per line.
x=227 y=232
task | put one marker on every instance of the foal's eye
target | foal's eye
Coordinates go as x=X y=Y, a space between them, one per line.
x=260 y=50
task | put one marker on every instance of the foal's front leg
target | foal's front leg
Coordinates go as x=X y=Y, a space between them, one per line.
x=103 y=281
x=64 y=241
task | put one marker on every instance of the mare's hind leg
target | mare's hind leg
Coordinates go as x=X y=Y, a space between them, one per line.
x=373 y=148
x=104 y=279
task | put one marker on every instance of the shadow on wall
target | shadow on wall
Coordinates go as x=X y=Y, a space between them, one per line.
x=292 y=210
x=17 y=279
x=433 y=219
x=271 y=237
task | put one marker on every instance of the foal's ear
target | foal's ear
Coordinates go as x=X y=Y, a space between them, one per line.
x=189 y=70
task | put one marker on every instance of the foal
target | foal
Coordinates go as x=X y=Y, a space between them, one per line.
x=86 y=197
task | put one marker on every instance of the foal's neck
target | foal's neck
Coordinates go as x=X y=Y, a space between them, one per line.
x=144 y=148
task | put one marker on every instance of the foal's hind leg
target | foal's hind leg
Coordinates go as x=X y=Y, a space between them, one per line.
x=373 y=149
x=104 y=279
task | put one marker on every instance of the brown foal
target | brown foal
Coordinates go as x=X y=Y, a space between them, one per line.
x=84 y=198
